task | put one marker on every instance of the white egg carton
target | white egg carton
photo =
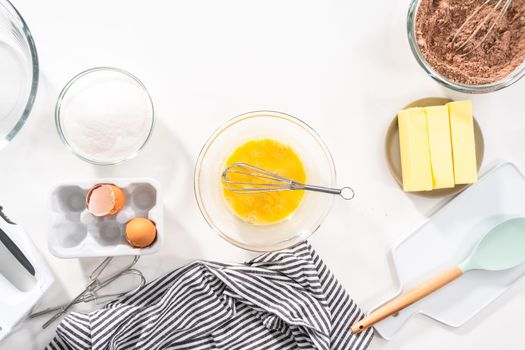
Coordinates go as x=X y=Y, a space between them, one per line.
x=77 y=233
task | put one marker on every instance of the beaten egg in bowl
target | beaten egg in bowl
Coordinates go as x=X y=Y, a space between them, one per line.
x=264 y=208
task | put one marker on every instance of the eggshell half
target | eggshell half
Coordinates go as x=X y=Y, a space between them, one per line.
x=105 y=199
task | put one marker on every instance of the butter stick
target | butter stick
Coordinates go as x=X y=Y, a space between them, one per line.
x=463 y=142
x=440 y=147
x=414 y=147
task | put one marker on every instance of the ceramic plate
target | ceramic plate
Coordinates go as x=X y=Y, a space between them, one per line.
x=393 y=155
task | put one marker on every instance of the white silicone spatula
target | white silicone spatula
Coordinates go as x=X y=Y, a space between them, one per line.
x=501 y=248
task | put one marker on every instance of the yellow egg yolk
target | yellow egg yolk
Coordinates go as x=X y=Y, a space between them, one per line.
x=269 y=207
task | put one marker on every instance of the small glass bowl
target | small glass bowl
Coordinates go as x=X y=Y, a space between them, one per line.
x=71 y=99
x=510 y=79
x=316 y=158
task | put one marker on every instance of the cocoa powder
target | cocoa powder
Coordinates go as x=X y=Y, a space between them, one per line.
x=500 y=53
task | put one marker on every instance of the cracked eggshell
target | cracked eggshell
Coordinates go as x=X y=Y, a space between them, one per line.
x=105 y=200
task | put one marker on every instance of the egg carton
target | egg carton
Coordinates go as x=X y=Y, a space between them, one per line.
x=77 y=233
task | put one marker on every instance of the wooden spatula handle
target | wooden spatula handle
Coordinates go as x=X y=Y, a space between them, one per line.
x=402 y=301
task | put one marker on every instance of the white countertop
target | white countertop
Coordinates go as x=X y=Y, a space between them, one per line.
x=344 y=67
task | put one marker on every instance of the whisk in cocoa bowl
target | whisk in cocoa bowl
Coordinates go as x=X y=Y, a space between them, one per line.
x=469 y=45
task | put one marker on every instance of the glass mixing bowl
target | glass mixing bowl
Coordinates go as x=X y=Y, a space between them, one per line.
x=18 y=72
x=510 y=79
x=316 y=158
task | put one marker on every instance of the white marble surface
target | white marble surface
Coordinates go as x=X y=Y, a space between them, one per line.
x=344 y=67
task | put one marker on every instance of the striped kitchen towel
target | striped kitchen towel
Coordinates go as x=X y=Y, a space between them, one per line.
x=280 y=300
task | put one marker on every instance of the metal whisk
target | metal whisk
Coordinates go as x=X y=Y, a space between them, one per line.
x=246 y=178
x=496 y=10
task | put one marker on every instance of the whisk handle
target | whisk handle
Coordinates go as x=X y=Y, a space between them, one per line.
x=346 y=193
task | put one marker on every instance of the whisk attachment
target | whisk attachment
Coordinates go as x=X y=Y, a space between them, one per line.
x=246 y=178
x=97 y=282
x=484 y=18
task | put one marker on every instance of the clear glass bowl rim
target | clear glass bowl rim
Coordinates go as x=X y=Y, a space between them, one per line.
x=63 y=94
x=24 y=29
x=513 y=77
x=209 y=142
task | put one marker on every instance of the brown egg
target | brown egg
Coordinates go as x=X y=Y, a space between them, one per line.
x=105 y=199
x=140 y=232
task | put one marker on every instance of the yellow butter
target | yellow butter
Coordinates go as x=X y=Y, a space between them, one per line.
x=440 y=147
x=414 y=147
x=463 y=143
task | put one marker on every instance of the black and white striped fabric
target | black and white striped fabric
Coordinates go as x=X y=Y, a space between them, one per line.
x=281 y=300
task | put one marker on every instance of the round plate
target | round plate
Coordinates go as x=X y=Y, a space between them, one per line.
x=393 y=155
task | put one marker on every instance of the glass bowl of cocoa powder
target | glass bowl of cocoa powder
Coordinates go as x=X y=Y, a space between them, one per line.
x=497 y=62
